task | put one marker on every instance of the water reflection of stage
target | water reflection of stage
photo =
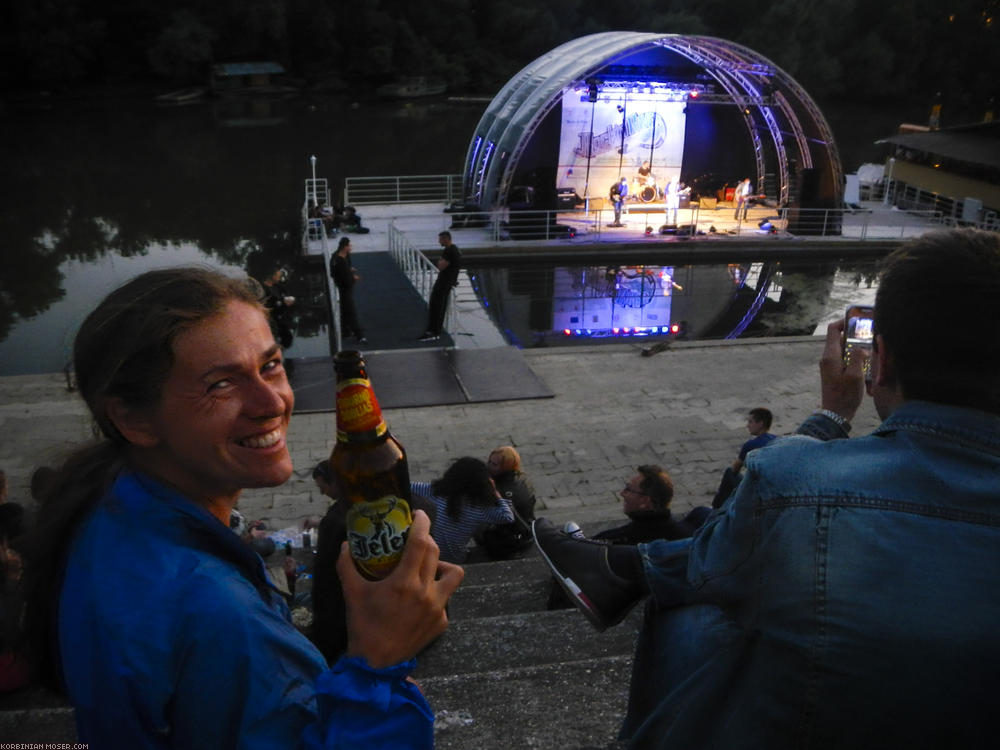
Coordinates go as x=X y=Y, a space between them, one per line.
x=545 y=304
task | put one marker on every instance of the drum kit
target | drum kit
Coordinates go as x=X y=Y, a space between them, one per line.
x=646 y=191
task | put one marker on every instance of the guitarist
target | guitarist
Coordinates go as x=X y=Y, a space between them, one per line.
x=743 y=198
x=617 y=193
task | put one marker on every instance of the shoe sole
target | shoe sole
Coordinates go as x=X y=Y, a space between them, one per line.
x=574 y=592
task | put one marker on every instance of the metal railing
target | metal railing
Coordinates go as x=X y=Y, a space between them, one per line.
x=313 y=229
x=901 y=195
x=447 y=189
x=435 y=188
x=421 y=272
x=583 y=226
x=317 y=190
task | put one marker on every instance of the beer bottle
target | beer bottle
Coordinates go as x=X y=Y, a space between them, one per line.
x=369 y=472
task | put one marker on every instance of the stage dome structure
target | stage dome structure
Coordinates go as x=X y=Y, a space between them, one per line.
x=699 y=109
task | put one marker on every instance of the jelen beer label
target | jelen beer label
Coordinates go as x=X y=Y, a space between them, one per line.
x=376 y=532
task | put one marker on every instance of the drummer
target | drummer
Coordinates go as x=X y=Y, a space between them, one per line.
x=644 y=179
x=645 y=174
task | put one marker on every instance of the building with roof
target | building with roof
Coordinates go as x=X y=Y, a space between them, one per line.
x=700 y=110
x=245 y=75
x=955 y=170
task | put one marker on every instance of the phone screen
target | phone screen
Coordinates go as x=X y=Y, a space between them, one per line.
x=859 y=332
x=859 y=326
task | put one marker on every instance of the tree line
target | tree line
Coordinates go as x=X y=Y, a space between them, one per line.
x=849 y=49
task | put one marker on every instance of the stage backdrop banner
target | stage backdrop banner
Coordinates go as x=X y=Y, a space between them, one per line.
x=653 y=131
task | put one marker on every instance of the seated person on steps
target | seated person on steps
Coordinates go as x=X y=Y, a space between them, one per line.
x=646 y=500
x=465 y=497
x=758 y=425
x=504 y=540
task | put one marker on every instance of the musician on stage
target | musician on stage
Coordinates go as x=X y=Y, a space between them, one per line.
x=672 y=200
x=644 y=173
x=742 y=198
x=644 y=178
x=618 y=193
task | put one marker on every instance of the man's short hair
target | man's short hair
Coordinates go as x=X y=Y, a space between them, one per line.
x=657 y=484
x=936 y=310
x=760 y=414
x=446 y=235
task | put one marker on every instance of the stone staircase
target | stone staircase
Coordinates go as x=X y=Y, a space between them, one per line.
x=507 y=674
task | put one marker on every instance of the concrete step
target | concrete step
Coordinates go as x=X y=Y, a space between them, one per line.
x=38 y=726
x=485 y=644
x=573 y=704
x=498 y=599
x=528 y=567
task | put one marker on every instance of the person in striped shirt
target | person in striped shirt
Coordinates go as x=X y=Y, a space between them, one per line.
x=466 y=498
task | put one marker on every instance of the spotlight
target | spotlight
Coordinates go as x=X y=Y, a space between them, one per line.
x=694 y=94
x=591 y=91
x=620 y=109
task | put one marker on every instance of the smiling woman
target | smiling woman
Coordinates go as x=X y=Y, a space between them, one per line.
x=159 y=621
x=228 y=379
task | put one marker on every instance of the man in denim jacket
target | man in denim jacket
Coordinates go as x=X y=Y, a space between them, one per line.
x=845 y=596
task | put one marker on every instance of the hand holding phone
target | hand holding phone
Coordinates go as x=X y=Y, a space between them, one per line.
x=859 y=333
x=841 y=382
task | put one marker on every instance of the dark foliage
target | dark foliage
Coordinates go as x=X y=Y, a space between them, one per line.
x=846 y=49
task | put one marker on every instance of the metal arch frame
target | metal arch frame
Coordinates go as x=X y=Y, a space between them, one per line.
x=515 y=114
x=722 y=72
x=507 y=176
x=781 y=82
x=540 y=102
x=815 y=116
x=502 y=111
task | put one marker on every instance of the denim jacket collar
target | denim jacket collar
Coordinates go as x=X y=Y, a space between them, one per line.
x=969 y=427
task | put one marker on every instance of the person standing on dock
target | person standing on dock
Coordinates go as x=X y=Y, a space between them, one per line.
x=345 y=277
x=448 y=267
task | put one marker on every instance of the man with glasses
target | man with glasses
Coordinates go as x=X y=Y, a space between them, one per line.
x=646 y=501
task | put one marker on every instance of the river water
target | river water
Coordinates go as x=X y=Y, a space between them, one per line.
x=96 y=191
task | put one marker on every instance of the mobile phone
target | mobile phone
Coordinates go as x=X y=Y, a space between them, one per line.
x=859 y=331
